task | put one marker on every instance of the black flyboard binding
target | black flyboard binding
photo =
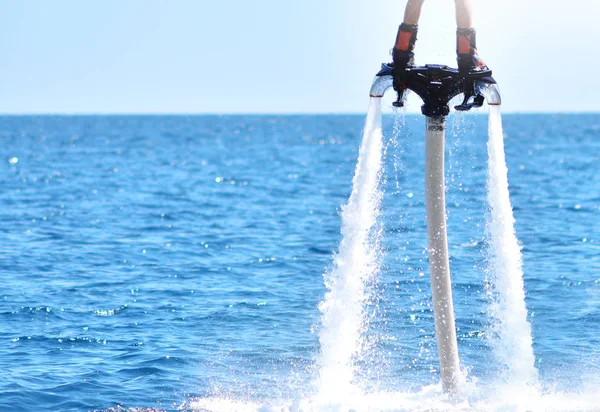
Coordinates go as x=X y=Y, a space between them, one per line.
x=436 y=85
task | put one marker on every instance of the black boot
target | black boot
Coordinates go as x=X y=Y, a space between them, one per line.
x=466 y=51
x=403 y=53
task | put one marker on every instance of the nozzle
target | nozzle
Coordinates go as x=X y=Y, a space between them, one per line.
x=383 y=81
x=491 y=93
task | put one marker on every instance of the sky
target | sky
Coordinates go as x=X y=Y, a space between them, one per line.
x=277 y=56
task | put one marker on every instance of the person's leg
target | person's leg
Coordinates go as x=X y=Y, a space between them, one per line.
x=412 y=13
x=407 y=33
x=464 y=14
x=466 y=42
x=403 y=51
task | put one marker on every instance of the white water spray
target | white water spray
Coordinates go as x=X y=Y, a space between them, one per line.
x=512 y=342
x=357 y=262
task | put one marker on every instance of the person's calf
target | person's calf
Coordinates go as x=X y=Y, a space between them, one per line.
x=412 y=13
x=464 y=14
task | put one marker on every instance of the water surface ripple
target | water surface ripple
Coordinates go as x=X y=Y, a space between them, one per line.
x=149 y=261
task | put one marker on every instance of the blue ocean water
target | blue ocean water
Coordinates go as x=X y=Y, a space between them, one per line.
x=150 y=261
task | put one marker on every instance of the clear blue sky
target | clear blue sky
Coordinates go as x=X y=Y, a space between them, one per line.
x=268 y=56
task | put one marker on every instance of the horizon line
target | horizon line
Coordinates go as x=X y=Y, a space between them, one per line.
x=73 y=114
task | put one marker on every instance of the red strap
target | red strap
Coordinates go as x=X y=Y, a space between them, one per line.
x=464 y=44
x=403 y=42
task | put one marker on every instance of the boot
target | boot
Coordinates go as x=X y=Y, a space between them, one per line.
x=403 y=53
x=466 y=51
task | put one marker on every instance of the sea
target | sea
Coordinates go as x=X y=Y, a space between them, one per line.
x=152 y=263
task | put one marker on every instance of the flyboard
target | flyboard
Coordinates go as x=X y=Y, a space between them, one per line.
x=436 y=85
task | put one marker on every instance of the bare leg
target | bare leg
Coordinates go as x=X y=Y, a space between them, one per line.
x=464 y=14
x=407 y=34
x=413 y=11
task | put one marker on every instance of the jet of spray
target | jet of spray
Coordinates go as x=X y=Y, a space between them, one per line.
x=512 y=340
x=344 y=318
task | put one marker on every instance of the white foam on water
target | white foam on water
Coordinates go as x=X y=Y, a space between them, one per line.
x=343 y=317
x=428 y=398
x=511 y=332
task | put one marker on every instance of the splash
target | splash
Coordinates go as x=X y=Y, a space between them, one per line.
x=428 y=398
x=512 y=342
x=356 y=264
